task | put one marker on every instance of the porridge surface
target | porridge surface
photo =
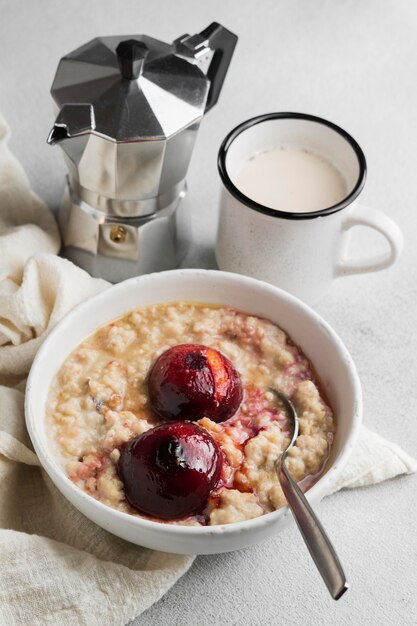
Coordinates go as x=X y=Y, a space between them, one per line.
x=99 y=401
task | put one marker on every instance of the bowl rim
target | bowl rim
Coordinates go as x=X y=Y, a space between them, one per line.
x=57 y=475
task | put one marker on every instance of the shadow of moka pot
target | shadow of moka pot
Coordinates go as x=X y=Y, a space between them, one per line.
x=129 y=109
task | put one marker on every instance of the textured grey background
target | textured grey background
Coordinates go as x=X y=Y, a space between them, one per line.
x=354 y=62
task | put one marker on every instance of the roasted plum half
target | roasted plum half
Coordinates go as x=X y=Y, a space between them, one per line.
x=169 y=471
x=191 y=381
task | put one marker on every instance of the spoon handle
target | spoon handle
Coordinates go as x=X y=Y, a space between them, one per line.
x=314 y=535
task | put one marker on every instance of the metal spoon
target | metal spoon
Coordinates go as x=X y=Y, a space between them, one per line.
x=313 y=533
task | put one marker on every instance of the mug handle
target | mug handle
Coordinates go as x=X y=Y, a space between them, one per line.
x=373 y=218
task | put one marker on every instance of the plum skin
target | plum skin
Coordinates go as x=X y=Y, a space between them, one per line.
x=168 y=472
x=192 y=381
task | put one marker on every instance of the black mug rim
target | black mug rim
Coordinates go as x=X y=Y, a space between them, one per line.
x=252 y=204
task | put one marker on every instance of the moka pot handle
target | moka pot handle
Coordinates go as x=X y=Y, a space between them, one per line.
x=223 y=42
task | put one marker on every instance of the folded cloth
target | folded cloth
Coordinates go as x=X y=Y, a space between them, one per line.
x=57 y=567
x=26 y=224
x=373 y=460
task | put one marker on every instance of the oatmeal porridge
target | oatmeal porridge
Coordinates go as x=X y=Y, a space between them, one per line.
x=100 y=403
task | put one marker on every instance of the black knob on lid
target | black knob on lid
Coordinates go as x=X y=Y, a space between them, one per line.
x=131 y=54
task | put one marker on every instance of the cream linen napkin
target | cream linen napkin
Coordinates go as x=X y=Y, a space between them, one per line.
x=56 y=567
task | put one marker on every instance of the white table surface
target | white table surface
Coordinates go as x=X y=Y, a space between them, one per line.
x=353 y=62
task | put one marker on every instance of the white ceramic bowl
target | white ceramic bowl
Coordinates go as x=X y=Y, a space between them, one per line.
x=319 y=342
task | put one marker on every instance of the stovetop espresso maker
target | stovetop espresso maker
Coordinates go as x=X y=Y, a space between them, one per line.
x=129 y=109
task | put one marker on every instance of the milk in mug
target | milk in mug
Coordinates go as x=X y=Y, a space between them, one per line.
x=291 y=178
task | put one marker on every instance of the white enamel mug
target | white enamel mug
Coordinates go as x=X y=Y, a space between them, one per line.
x=299 y=252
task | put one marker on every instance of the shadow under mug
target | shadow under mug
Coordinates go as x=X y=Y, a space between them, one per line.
x=299 y=252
